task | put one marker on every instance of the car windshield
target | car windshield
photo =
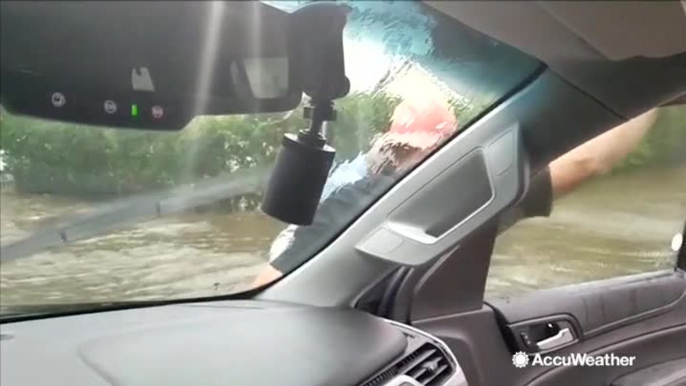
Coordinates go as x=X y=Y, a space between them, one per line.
x=98 y=215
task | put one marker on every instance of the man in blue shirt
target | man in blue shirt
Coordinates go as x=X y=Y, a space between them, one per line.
x=411 y=137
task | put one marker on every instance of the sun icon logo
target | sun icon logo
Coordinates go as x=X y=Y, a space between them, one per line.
x=520 y=360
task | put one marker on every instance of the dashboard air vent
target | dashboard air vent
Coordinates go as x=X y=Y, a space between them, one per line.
x=428 y=365
x=383 y=377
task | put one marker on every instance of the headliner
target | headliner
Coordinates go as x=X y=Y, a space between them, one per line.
x=628 y=55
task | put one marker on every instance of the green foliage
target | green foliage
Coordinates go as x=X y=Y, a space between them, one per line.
x=52 y=157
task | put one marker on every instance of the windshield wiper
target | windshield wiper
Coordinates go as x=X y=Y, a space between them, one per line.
x=134 y=209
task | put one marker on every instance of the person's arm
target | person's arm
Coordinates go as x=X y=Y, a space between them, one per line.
x=567 y=172
x=335 y=213
x=564 y=174
x=598 y=155
x=266 y=276
x=305 y=239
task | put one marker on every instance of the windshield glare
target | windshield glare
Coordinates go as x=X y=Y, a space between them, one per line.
x=417 y=78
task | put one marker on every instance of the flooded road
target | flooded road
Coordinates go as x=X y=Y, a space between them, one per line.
x=612 y=226
x=180 y=256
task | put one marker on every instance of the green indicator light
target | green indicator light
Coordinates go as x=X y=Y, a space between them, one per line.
x=134 y=110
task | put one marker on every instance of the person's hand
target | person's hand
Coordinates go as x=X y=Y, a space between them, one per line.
x=268 y=275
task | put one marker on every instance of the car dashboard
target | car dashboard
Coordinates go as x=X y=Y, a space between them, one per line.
x=224 y=343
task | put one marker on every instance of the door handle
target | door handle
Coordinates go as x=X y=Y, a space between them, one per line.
x=562 y=337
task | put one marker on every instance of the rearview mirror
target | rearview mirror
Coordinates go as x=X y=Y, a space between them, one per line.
x=149 y=65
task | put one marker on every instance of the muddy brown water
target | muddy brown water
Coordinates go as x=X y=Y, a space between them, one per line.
x=612 y=226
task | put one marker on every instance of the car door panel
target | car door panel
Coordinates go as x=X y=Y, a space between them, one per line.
x=672 y=373
x=640 y=315
x=601 y=306
x=650 y=349
x=478 y=344
x=654 y=331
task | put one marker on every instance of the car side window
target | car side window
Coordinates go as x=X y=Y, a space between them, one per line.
x=619 y=223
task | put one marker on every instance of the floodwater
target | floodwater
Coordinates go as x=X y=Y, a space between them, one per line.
x=612 y=226
x=187 y=255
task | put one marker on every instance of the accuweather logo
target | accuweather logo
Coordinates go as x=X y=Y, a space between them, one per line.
x=521 y=360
